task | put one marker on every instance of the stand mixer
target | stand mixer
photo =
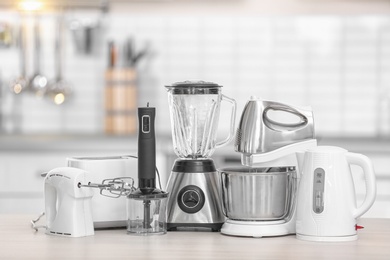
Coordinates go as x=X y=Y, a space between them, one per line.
x=268 y=148
x=194 y=184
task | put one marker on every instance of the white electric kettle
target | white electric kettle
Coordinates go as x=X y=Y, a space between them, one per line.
x=326 y=200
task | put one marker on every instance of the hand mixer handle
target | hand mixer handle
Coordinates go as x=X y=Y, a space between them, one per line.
x=369 y=174
x=50 y=203
x=232 y=121
x=303 y=114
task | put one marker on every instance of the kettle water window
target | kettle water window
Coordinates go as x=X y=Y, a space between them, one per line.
x=318 y=190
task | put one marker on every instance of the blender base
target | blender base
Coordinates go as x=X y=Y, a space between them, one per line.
x=215 y=227
x=258 y=228
x=194 y=196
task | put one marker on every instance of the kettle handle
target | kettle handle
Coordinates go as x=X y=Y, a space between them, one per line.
x=232 y=121
x=369 y=176
x=276 y=106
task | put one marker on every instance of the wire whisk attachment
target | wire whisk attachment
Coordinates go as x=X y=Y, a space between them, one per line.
x=113 y=188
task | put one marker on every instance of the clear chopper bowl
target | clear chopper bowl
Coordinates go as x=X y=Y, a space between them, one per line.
x=147 y=214
x=194 y=111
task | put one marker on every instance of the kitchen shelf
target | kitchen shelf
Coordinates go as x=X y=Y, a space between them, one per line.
x=61 y=4
x=11 y=142
x=43 y=143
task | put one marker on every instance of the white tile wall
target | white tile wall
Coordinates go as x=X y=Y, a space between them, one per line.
x=339 y=65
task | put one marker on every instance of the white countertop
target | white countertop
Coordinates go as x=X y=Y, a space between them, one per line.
x=19 y=241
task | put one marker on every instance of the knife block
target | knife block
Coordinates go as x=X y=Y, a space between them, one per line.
x=121 y=101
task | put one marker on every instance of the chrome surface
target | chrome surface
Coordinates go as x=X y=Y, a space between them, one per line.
x=113 y=188
x=211 y=211
x=258 y=133
x=258 y=194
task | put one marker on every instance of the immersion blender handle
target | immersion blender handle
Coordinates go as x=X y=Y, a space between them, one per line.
x=232 y=122
x=146 y=149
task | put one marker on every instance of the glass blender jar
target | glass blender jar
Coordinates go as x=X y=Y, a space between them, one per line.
x=194 y=109
x=194 y=184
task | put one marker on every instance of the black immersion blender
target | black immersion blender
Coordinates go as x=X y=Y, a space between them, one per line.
x=147 y=193
x=146 y=150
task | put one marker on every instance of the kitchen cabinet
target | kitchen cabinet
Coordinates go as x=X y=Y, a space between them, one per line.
x=23 y=160
x=21 y=183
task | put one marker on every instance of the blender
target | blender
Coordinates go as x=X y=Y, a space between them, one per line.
x=194 y=187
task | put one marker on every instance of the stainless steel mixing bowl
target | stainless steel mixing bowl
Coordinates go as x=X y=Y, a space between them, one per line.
x=253 y=194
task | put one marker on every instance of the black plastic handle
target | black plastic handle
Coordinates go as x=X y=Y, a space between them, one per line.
x=146 y=149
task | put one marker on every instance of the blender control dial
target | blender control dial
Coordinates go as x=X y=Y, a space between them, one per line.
x=191 y=199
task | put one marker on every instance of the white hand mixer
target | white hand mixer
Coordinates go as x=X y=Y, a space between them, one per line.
x=68 y=193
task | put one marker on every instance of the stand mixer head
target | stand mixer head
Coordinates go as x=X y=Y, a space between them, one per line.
x=259 y=135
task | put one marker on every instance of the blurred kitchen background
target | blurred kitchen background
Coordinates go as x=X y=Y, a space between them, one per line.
x=103 y=59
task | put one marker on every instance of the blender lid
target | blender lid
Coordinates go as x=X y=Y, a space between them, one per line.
x=194 y=87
